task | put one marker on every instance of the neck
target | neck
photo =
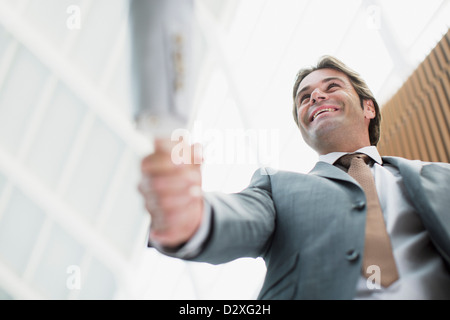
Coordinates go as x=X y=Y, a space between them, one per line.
x=348 y=140
x=345 y=147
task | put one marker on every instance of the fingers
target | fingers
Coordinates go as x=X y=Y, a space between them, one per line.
x=167 y=195
x=171 y=186
x=170 y=156
x=169 y=203
x=171 y=183
x=178 y=226
x=158 y=163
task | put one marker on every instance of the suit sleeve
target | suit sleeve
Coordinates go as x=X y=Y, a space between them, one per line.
x=242 y=223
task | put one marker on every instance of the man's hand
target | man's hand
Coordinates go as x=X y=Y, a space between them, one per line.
x=171 y=187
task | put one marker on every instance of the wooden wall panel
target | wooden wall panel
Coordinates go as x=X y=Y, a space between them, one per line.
x=416 y=120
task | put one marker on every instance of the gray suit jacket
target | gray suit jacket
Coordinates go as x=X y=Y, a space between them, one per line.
x=309 y=228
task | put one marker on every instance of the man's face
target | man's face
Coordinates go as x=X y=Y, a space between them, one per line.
x=329 y=111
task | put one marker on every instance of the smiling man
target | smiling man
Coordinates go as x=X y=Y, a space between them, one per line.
x=329 y=91
x=358 y=226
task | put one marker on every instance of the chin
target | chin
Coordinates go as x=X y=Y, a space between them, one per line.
x=324 y=139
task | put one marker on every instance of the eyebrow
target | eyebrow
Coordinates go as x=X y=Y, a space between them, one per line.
x=323 y=81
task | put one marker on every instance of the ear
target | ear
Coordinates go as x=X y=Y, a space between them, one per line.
x=369 y=109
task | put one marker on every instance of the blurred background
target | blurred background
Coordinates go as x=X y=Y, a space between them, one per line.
x=72 y=224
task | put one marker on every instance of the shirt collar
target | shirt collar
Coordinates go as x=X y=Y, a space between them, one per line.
x=371 y=151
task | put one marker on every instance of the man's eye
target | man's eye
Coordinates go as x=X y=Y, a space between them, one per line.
x=332 y=85
x=304 y=97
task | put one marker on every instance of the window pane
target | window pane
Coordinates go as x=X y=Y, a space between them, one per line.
x=19 y=228
x=101 y=36
x=2 y=183
x=61 y=253
x=5 y=295
x=95 y=170
x=55 y=137
x=19 y=97
x=4 y=41
x=100 y=282
x=128 y=213
x=50 y=18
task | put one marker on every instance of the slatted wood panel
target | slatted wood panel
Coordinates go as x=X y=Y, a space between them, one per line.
x=416 y=120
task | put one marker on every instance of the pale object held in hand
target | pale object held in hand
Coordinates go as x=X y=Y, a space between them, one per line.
x=162 y=34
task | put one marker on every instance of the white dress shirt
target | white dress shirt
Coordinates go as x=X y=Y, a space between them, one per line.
x=422 y=271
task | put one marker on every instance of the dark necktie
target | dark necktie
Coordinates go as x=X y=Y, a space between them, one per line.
x=377 y=248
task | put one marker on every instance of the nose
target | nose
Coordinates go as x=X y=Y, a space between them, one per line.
x=318 y=95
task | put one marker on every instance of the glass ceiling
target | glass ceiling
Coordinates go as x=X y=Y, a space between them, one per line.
x=69 y=151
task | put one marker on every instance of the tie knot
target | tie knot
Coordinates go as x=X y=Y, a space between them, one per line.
x=346 y=160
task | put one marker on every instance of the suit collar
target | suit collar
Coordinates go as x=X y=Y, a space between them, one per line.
x=325 y=168
x=330 y=171
x=410 y=172
x=371 y=151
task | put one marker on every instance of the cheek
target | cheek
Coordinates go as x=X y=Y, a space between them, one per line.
x=302 y=115
x=352 y=101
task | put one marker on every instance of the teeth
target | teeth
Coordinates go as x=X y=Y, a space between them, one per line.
x=323 y=110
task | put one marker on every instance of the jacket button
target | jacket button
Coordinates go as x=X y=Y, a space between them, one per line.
x=360 y=205
x=352 y=255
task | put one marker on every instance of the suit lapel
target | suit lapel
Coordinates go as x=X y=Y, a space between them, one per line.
x=429 y=191
x=410 y=172
x=329 y=171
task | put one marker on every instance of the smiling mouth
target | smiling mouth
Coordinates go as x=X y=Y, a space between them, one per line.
x=318 y=112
